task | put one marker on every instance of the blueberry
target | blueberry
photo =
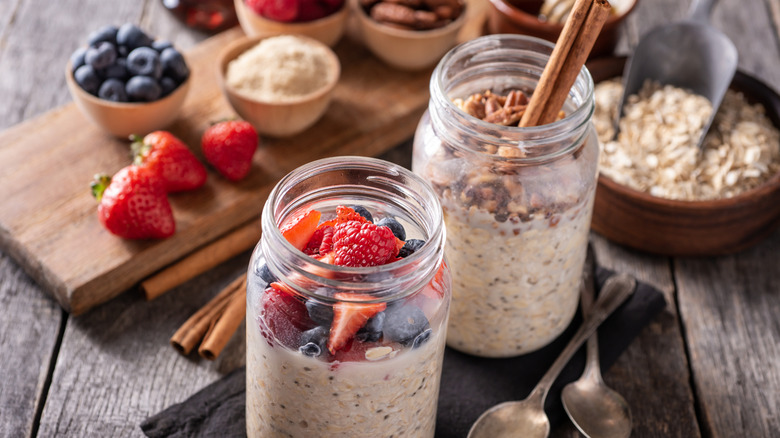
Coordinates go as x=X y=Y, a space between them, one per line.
x=100 y=56
x=405 y=323
x=320 y=313
x=395 y=227
x=372 y=331
x=113 y=89
x=422 y=338
x=122 y=51
x=363 y=212
x=174 y=65
x=168 y=85
x=117 y=70
x=77 y=58
x=266 y=274
x=132 y=37
x=104 y=34
x=142 y=89
x=161 y=45
x=87 y=78
x=410 y=247
x=144 y=61
x=314 y=342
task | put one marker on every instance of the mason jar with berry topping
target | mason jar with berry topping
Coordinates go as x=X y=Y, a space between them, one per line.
x=517 y=200
x=347 y=304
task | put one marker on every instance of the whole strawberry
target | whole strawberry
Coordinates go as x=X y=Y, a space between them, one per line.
x=229 y=147
x=133 y=204
x=171 y=159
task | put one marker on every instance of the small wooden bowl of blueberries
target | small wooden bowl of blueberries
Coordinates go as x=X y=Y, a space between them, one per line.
x=127 y=82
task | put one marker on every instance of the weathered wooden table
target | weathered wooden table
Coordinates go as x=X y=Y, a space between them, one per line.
x=708 y=366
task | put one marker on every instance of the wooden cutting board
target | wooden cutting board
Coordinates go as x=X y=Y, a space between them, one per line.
x=48 y=219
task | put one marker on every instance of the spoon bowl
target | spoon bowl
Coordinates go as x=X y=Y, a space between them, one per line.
x=690 y=54
x=600 y=411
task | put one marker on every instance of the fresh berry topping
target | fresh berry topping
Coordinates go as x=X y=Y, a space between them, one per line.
x=395 y=227
x=372 y=331
x=100 y=56
x=320 y=313
x=265 y=274
x=313 y=342
x=229 y=146
x=142 y=89
x=363 y=244
x=405 y=324
x=133 y=204
x=171 y=159
x=410 y=247
x=113 y=90
x=284 y=315
x=132 y=37
x=326 y=245
x=145 y=61
x=347 y=214
x=299 y=229
x=359 y=209
x=349 y=317
x=321 y=241
x=173 y=65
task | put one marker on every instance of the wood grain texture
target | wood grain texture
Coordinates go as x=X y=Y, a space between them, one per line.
x=47 y=217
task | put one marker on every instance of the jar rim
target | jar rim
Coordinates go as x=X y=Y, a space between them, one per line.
x=524 y=138
x=354 y=279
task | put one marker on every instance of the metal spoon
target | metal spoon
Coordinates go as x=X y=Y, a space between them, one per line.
x=689 y=54
x=596 y=410
x=526 y=418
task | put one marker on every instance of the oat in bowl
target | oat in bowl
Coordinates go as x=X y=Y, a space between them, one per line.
x=658 y=192
x=517 y=201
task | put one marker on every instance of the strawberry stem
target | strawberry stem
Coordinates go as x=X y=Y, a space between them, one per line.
x=138 y=149
x=99 y=184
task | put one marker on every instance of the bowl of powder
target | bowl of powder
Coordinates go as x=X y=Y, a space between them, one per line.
x=659 y=192
x=281 y=84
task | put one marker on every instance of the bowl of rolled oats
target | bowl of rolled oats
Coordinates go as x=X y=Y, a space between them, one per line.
x=659 y=192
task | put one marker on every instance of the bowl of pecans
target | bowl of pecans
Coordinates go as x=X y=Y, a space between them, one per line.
x=409 y=36
x=659 y=192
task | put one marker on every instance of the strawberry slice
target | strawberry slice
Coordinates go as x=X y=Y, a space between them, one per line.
x=348 y=214
x=300 y=228
x=349 y=317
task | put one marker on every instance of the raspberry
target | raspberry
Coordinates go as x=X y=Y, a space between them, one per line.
x=359 y=243
x=346 y=214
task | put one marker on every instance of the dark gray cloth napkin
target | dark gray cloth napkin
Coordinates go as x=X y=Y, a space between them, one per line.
x=469 y=385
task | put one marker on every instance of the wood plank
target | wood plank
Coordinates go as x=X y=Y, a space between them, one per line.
x=54 y=231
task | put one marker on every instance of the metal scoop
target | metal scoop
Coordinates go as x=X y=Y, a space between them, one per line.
x=689 y=54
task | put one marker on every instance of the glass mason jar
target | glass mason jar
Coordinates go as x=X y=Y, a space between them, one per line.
x=517 y=201
x=384 y=380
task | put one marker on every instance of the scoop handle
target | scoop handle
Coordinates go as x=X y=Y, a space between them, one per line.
x=700 y=10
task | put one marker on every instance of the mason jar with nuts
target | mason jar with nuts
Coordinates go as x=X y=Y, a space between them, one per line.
x=517 y=200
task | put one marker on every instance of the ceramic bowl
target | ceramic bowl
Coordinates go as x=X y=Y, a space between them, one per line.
x=688 y=228
x=122 y=119
x=327 y=29
x=406 y=49
x=277 y=119
x=522 y=17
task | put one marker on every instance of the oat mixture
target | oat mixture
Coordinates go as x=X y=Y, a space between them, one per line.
x=656 y=152
x=280 y=68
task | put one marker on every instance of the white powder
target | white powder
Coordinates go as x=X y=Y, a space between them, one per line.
x=280 y=68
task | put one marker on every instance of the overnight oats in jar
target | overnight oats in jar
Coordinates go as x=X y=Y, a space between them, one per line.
x=517 y=201
x=347 y=302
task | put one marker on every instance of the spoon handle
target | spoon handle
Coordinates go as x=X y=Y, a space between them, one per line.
x=616 y=289
x=700 y=10
x=586 y=301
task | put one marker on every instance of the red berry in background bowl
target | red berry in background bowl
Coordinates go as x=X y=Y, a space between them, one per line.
x=298 y=11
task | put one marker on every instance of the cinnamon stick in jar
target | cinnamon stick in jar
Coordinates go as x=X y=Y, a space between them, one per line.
x=569 y=55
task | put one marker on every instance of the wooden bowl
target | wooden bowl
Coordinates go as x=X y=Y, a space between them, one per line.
x=327 y=29
x=688 y=228
x=274 y=118
x=406 y=49
x=122 y=119
x=522 y=17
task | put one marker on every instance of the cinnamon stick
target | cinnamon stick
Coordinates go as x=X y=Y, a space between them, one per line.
x=205 y=258
x=569 y=55
x=193 y=330
x=220 y=333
